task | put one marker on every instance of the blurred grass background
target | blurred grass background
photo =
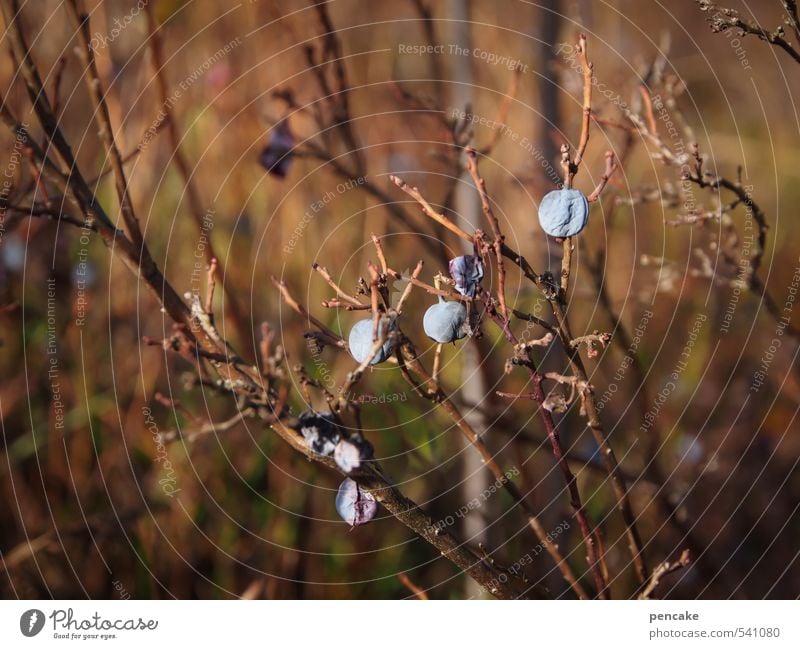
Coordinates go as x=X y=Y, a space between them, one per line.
x=253 y=517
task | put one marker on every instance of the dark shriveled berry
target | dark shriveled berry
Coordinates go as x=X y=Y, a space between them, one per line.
x=467 y=271
x=276 y=157
x=320 y=431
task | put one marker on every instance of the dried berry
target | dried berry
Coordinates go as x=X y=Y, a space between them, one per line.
x=347 y=456
x=467 y=271
x=361 y=342
x=276 y=157
x=444 y=321
x=555 y=402
x=320 y=431
x=355 y=505
x=564 y=212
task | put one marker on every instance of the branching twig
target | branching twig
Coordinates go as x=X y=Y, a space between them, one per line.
x=340 y=292
x=611 y=167
x=299 y=308
x=724 y=19
x=662 y=570
x=411 y=362
x=428 y=210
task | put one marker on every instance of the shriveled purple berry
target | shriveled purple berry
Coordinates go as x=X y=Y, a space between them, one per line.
x=355 y=505
x=361 y=342
x=467 y=271
x=320 y=431
x=276 y=157
x=564 y=212
x=444 y=321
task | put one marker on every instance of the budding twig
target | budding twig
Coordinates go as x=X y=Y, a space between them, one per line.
x=611 y=167
x=211 y=283
x=497 y=244
x=340 y=292
x=441 y=219
x=407 y=290
x=662 y=570
x=299 y=308
x=381 y=256
x=532 y=318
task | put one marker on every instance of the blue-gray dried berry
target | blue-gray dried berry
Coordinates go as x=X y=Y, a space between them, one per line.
x=361 y=342
x=444 y=321
x=564 y=212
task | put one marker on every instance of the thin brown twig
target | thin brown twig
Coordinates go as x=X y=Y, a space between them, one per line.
x=339 y=291
x=566 y=264
x=374 y=295
x=415 y=281
x=529 y=317
x=437 y=360
x=695 y=174
x=794 y=18
x=429 y=211
x=381 y=255
x=58 y=75
x=662 y=570
x=310 y=148
x=299 y=308
x=336 y=303
x=652 y=126
x=611 y=167
x=339 y=100
x=37 y=174
x=103 y=118
x=502 y=111
x=586 y=120
x=407 y=290
x=193 y=434
x=557 y=302
x=211 y=283
x=494 y=224
x=416 y=590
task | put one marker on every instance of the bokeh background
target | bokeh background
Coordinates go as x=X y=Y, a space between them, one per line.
x=93 y=507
